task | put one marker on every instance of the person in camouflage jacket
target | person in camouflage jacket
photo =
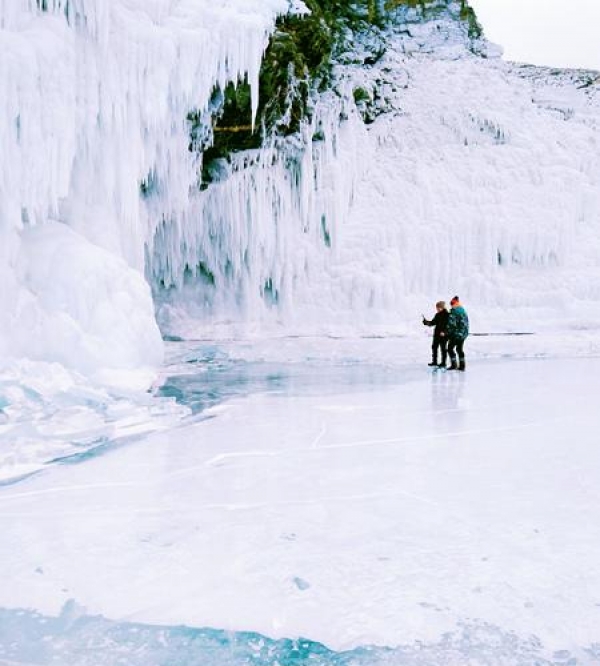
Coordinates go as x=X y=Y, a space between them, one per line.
x=457 y=332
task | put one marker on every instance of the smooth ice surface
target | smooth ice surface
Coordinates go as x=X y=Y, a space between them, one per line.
x=354 y=504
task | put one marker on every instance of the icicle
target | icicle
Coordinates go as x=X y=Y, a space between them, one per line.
x=94 y=97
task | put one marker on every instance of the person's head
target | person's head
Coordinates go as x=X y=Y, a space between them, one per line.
x=455 y=301
x=440 y=305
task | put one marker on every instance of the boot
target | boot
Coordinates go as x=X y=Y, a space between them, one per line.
x=462 y=365
x=433 y=364
x=453 y=366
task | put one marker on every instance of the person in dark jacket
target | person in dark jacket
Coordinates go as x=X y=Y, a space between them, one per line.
x=440 y=321
x=457 y=332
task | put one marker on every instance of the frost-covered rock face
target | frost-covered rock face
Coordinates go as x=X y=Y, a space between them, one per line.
x=484 y=182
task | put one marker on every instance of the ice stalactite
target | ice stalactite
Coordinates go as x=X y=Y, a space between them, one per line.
x=249 y=245
x=94 y=97
x=465 y=173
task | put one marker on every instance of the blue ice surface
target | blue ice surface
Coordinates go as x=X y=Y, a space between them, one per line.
x=200 y=376
x=76 y=639
x=206 y=377
x=211 y=378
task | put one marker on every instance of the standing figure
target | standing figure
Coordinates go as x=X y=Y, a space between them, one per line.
x=440 y=321
x=458 y=330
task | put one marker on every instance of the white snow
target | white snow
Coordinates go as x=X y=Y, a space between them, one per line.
x=88 y=304
x=376 y=513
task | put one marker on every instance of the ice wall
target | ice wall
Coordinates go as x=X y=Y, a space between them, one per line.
x=469 y=175
x=94 y=97
x=486 y=183
x=251 y=246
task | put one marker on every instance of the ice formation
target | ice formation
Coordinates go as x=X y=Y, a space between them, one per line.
x=468 y=175
x=436 y=168
x=94 y=97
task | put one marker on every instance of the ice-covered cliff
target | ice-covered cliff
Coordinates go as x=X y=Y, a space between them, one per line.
x=429 y=166
x=423 y=165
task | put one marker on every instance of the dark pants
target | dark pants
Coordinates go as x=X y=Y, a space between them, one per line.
x=438 y=343
x=455 y=346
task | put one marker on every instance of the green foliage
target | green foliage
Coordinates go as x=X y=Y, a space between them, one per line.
x=468 y=15
x=232 y=130
x=297 y=62
x=394 y=4
x=361 y=95
x=298 y=53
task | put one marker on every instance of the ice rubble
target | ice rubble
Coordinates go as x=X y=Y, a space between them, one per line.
x=73 y=638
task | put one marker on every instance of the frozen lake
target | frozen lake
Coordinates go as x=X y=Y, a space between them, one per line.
x=386 y=513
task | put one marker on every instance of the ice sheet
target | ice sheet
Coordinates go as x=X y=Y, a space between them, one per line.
x=379 y=513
